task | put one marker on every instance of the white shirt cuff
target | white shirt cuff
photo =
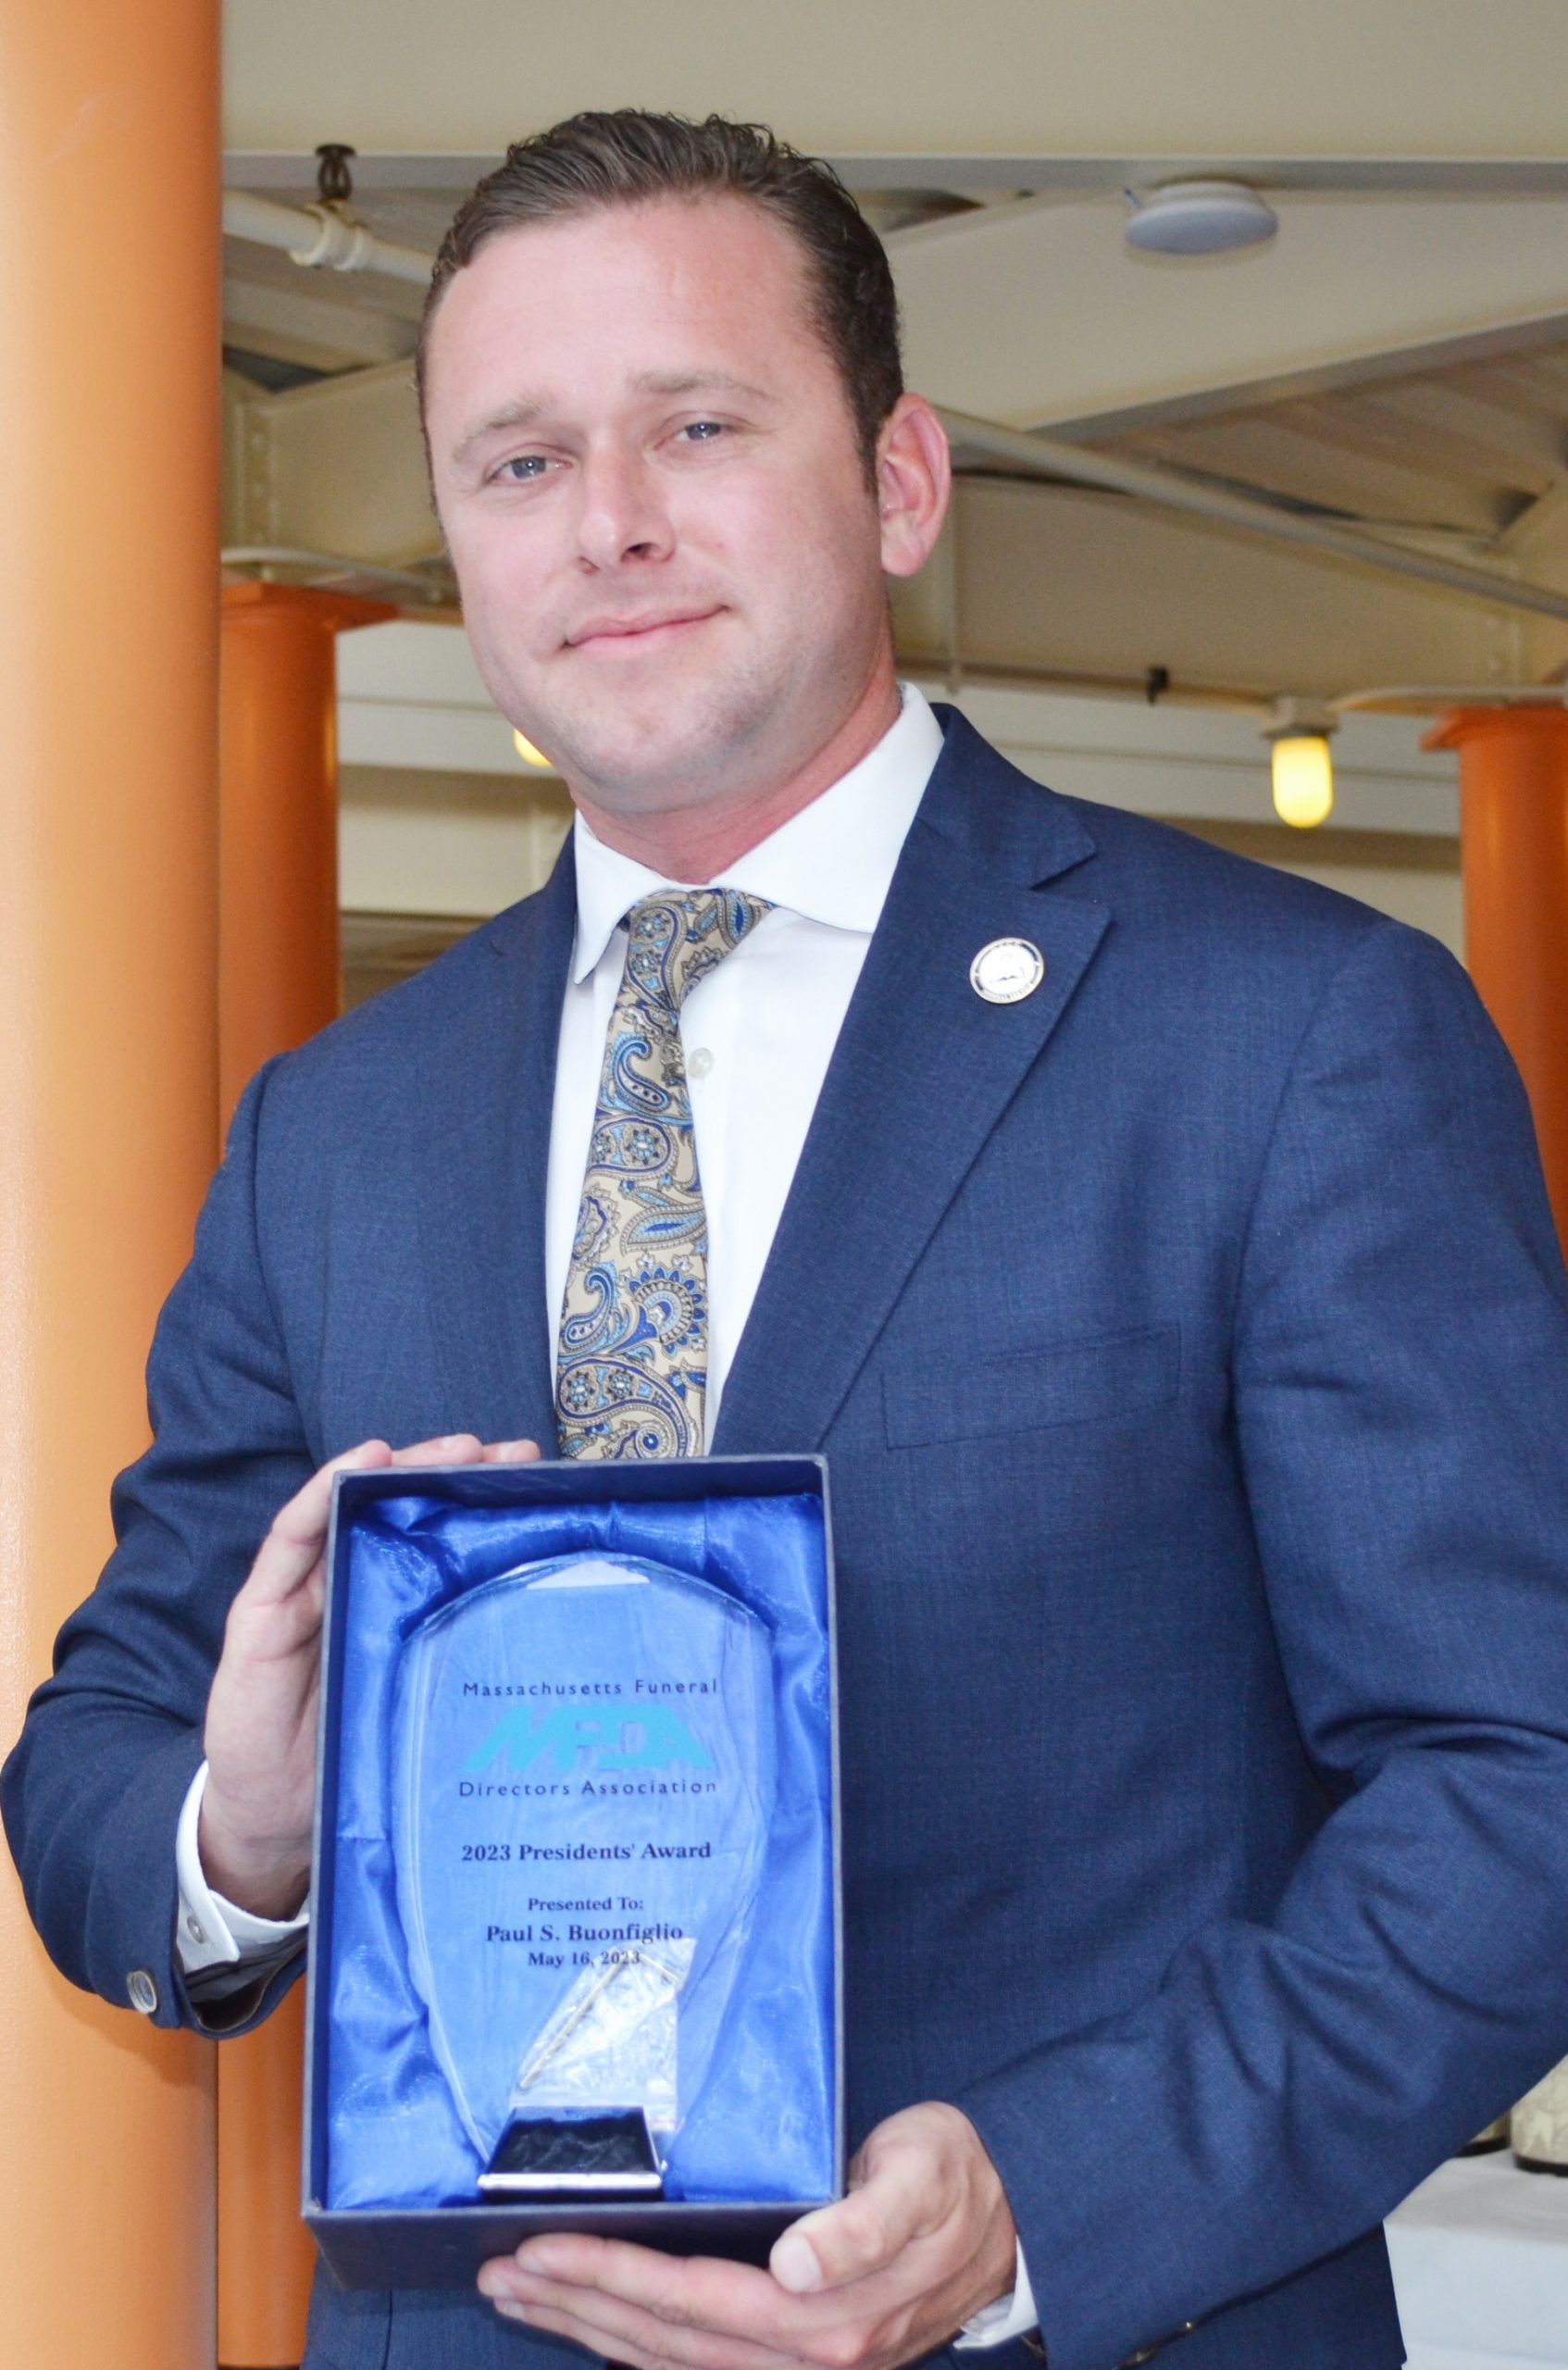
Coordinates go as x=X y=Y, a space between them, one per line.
x=1010 y=2316
x=212 y=1932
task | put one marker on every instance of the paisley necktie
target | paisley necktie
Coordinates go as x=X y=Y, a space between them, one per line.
x=633 y=1360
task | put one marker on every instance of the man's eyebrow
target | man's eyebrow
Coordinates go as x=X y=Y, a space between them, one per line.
x=519 y=413
x=694 y=383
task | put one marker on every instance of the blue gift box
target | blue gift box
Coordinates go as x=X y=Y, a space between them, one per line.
x=390 y=2176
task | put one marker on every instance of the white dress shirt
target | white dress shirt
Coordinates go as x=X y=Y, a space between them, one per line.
x=758 y=1032
x=758 y=1029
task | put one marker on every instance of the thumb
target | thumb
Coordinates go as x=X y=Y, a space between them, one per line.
x=861 y=2234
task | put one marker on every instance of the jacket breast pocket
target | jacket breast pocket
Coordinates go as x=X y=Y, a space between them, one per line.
x=1065 y=1382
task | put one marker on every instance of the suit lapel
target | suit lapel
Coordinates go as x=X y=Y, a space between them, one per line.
x=483 y=1152
x=923 y=1070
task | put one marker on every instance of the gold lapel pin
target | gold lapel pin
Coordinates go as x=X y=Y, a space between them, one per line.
x=1007 y=971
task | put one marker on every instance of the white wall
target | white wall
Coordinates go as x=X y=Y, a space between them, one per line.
x=441 y=817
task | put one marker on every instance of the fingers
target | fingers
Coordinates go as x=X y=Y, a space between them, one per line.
x=865 y=2231
x=697 y=2288
x=291 y=1549
x=624 y=2332
x=714 y=2315
x=452 y=1448
x=466 y=1448
x=882 y=2276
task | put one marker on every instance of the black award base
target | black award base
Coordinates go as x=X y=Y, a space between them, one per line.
x=609 y=2152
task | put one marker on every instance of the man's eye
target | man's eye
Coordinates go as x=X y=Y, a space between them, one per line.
x=525 y=465
x=703 y=432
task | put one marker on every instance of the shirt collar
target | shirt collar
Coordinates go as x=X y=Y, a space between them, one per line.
x=833 y=862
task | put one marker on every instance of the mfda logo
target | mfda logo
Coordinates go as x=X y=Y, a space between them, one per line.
x=650 y=1738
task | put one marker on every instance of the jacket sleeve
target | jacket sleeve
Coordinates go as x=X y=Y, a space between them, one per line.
x=1400 y=1401
x=92 y=1793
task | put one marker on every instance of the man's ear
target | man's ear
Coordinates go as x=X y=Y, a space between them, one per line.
x=914 y=481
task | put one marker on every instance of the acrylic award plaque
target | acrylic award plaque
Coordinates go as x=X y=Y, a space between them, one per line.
x=583 y=1781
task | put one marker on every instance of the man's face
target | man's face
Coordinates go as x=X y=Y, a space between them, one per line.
x=647 y=472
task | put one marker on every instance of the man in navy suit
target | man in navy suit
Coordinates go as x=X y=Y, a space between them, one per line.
x=1155 y=1246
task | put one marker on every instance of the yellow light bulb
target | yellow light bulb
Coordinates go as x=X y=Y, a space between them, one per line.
x=1303 y=778
x=529 y=753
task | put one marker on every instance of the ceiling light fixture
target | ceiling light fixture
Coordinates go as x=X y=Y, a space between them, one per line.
x=1199 y=219
x=529 y=753
x=1299 y=763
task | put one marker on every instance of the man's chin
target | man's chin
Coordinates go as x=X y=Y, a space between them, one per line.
x=651 y=764
x=647 y=787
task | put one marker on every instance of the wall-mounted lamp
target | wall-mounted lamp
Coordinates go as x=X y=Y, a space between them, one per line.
x=529 y=753
x=1302 y=770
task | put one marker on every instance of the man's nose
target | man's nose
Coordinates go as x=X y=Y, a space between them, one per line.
x=622 y=516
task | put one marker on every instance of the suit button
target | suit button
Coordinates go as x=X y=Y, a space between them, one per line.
x=143 y=1992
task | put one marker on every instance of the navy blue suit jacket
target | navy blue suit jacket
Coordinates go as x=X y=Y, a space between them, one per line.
x=1189 y=1344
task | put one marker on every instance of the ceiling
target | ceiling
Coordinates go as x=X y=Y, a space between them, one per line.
x=1465 y=449
x=1395 y=360
x=1128 y=82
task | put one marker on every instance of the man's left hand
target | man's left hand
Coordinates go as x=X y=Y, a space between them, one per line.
x=924 y=2239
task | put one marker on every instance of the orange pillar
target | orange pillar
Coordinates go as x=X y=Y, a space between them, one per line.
x=277 y=983
x=1513 y=842
x=277 y=898
x=108 y=648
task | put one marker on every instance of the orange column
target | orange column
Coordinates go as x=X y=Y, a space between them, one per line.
x=278 y=909
x=1514 y=840
x=108 y=649
x=277 y=983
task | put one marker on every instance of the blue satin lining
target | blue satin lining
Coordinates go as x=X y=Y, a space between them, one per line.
x=763 y=2128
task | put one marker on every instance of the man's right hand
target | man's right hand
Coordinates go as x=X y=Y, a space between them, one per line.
x=254 y=1832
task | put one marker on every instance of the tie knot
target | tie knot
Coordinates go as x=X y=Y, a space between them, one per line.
x=680 y=935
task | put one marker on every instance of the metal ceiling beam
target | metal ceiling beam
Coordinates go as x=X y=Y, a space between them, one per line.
x=303 y=323
x=1304 y=455
x=1047 y=457
x=295 y=170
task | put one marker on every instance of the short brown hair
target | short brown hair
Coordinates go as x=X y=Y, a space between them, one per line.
x=626 y=155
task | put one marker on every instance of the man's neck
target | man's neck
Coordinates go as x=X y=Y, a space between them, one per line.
x=692 y=843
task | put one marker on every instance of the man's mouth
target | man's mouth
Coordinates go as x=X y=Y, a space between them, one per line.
x=636 y=632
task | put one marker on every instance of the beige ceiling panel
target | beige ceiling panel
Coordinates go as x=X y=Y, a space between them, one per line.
x=1476 y=438
x=1335 y=77
x=1038 y=314
x=1068 y=580
x=347 y=471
